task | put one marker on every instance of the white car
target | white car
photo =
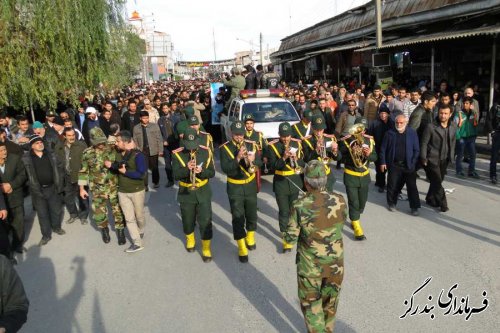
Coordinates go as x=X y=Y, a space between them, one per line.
x=268 y=107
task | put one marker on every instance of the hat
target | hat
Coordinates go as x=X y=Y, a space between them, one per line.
x=37 y=124
x=58 y=121
x=315 y=169
x=51 y=113
x=35 y=138
x=144 y=114
x=91 y=109
x=237 y=128
x=193 y=120
x=318 y=123
x=97 y=136
x=384 y=108
x=308 y=114
x=285 y=129
x=189 y=111
x=361 y=120
x=190 y=139
x=248 y=117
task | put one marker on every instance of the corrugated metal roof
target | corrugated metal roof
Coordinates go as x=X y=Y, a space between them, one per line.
x=490 y=30
x=343 y=47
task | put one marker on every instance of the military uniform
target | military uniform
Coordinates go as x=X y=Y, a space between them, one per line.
x=204 y=138
x=356 y=178
x=261 y=143
x=287 y=181
x=318 y=218
x=195 y=204
x=103 y=184
x=309 y=143
x=242 y=190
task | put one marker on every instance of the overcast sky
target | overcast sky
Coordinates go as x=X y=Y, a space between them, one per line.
x=190 y=23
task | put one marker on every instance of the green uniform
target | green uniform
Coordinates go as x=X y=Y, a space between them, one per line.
x=206 y=140
x=103 y=185
x=284 y=176
x=356 y=179
x=196 y=205
x=236 y=83
x=316 y=222
x=301 y=130
x=309 y=144
x=241 y=187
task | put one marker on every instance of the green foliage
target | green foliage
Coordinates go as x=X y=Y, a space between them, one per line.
x=60 y=48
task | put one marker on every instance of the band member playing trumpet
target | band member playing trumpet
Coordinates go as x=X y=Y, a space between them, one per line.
x=358 y=149
x=193 y=166
x=239 y=161
x=257 y=138
x=286 y=158
x=323 y=147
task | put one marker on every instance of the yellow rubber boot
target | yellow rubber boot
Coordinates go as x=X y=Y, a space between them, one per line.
x=250 y=240
x=242 y=250
x=206 y=254
x=287 y=247
x=358 y=231
x=190 y=242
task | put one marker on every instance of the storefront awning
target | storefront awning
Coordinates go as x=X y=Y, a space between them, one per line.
x=300 y=59
x=445 y=35
x=342 y=47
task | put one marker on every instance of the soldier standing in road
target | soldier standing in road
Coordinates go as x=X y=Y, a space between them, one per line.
x=204 y=138
x=239 y=161
x=193 y=165
x=318 y=218
x=236 y=83
x=257 y=138
x=103 y=185
x=357 y=151
x=323 y=147
x=303 y=129
x=285 y=156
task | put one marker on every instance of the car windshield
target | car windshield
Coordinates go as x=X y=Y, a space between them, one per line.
x=270 y=112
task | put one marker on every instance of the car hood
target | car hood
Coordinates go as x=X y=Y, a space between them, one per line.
x=269 y=130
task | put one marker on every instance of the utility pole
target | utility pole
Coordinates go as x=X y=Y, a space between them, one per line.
x=261 y=55
x=378 y=23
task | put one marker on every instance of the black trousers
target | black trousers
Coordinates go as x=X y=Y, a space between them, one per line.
x=4 y=239
x=71 y=195
x=15 y=220
x=436 y=196
x=167 y=156
x=397 y=177
x=153 y=166
x=49 y=210
x=379 y=176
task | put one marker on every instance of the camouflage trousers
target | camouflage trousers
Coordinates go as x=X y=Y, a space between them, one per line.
x=319 y=298
x=100 y=208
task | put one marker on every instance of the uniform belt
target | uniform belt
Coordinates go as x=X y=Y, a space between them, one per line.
x=327 y=170
x=241 y=181
x=284 y=173
x=355 y=173
x=198 y=184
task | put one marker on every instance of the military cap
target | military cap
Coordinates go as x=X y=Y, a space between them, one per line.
x=285 y=129
x=97 y=136
x=190 y=139
x=361 y=120
x=193 y=120
x=237 y=128
x=189 y=111
x=308 y=114
x=51 y=113
x=315 y=169
x=248 y=117
x=318 y=123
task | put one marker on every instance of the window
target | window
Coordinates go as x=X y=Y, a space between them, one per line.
x=271 y=112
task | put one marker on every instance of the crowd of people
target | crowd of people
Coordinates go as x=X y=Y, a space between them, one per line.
x=98 y=154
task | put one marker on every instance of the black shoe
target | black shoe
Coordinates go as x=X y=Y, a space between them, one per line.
x=474 y=175
x=44 y=241
x=105 y=235
x=60 y=231
x=414 y=212
x=444 y=209
x=134 y=248
x=170 y=183
x=493 y=180
x=391 y=208
x=120 y=234
x=243 y=259
x=191 y=249
x=71 y=220
x=13 y=261
x=360 y=238
x=286 y=250
x=432 y=204
x=84 y=221
x=380 y=189
x=206 y=259
x=146 y=188
x=19 y=249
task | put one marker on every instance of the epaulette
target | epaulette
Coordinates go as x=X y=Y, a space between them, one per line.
x=178 y=150
x=368 y=136
x=225 y=143
x=250 y=141
x=296 y=140
x=204 y=132
x=273 y=142
x=307 y=137
x=203 y=147
x=346 y=137
x=329 y=135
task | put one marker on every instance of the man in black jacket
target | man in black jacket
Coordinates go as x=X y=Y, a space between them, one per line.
x=250 y=78
x=423 y=114
x=46 y=185
x=437 y=149
x=131 y=117
x=170 y=143
x=13 y=301
x=378 y=129
x=12 y=180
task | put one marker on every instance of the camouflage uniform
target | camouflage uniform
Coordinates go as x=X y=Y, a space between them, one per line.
x=103 y=184
x=318 y=218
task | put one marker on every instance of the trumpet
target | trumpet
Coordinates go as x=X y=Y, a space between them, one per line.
x=321 y=149
x=251 y=167
x=293 y=161
x=192 y=174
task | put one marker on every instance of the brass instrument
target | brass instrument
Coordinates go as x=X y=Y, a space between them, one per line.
x=293 y=161
x=251 y=167
x=192 y=174
x=356 y=146
x=321 y=149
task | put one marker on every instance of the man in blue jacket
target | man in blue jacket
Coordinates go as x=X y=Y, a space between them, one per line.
x=399 y=155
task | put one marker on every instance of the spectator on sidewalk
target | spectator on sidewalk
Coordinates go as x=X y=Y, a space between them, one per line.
x=467 y=121
x=13 y=301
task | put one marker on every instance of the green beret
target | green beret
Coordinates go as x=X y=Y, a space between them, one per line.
x=193 y=120
x=248 y=117
x=190 y=139
x=285 y=129
x=308 y=114
x=237 y=128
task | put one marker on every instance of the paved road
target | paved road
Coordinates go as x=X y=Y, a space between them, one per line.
x=79 y=284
